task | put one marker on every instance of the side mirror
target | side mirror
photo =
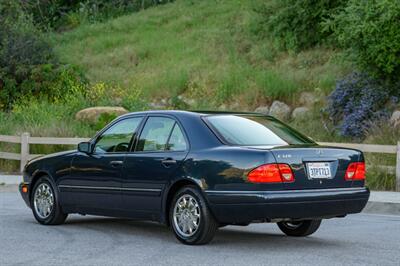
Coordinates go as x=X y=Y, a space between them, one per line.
x=85 y=147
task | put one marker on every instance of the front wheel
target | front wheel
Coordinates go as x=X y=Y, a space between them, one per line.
x=190 y=218
x=44 y=203
x=299 y=228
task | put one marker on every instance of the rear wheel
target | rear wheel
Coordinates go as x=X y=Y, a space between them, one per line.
x=190 y=218
x=44 y=203
x=299 y=228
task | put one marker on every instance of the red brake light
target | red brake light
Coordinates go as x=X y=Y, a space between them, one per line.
x=271 y=173
x=355 y=171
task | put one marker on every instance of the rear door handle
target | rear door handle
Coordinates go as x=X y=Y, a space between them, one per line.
x=116 y=163
x=167 y=162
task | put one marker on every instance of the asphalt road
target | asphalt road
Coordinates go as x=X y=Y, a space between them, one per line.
x=88 y=240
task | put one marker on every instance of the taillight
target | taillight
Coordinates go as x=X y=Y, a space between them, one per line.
x=271 y=173
x=355 y=171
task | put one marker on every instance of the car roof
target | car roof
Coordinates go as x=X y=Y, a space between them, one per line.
x=193 y=113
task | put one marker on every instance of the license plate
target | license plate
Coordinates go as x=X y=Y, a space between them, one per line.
x=319 y=170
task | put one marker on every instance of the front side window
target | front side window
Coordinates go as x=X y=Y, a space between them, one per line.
x=155 y=134
x=118 y=137
x=254 y=130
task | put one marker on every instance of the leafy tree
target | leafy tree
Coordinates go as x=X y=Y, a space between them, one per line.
x=28 y=66
x=370 y=31
x=296 y=24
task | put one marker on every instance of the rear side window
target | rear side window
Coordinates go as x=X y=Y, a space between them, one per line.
x=155 y=134
x=254 y=130
x=176 y=141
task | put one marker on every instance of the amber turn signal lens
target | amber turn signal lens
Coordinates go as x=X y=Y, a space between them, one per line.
x=24 y=189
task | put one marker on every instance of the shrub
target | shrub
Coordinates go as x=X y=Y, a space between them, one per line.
x=28 y=66
x=55 y=14
x=356 y=103
x=21 y=51
x=295 y=24
x=133 y=100
x=107 y=94
x=46 y=81
x=370 y=30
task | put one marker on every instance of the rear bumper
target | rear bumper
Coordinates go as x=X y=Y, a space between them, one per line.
x=249 y=206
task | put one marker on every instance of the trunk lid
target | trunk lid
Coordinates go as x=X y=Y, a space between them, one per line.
x=314 y=166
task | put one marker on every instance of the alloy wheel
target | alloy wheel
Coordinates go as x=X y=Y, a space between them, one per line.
x=43 y=200
x=187 y=215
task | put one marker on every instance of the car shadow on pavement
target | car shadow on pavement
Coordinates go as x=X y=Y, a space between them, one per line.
x=230 y=235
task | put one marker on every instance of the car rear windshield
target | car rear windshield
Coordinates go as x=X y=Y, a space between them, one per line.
x=248 y=130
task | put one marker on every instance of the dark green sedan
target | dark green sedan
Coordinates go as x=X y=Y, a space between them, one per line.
x=198 y=171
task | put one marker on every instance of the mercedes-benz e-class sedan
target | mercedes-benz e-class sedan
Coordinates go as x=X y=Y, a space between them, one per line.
x=198 y=171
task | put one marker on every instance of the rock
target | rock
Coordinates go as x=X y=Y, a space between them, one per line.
x=157 y=105
x=164 y=102
x=262 y=110
x=300 y=112
x=191 y=102
x=395 y=118
x=235 y=106
x=280 y=110
x=308 y=98
x=222 y=107
x=186 y=100
x=92 y=114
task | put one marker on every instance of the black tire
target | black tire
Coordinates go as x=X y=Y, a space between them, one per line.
x=207 y=225
x=56 y=216
x=301 y=228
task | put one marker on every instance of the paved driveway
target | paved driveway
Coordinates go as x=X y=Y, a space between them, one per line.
x=358 y=239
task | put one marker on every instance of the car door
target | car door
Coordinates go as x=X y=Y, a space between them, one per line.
x=159 y=151
x=95 y=180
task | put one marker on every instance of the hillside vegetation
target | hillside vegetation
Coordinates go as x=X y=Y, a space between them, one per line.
x=205 y=49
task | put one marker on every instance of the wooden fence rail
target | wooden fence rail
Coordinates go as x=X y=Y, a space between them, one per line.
x=25 y=140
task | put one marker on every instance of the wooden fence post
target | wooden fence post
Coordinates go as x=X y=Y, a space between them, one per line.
x=398 y=167
x=24 y=150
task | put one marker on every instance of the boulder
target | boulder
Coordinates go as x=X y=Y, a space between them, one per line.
x=235 y=106
x=264 y=109
x=308 y=98
x=186 y=100
x=157 y=105
x=92 y=114
x=280 y=110
x=300 y=112
x=395 y=118
x=164 y=102
x=223 y=107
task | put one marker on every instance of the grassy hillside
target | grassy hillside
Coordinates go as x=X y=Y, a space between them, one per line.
x=207 y=50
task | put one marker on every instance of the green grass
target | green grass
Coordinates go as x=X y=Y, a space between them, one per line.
x=41 y=119
x=378 y=178
x=209 y=45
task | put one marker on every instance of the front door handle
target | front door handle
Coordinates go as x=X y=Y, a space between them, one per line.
x=167 y=162
x=116 y=163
